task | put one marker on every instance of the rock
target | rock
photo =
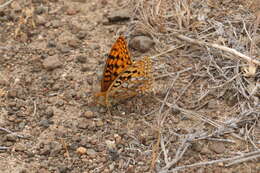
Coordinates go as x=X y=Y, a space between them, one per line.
x=111 y=167
x=19 y=147
x=70 y=78
x=51 y=52
x=49 y=112
x=74 y=43
x=111 y=145
x=45 y=123
x=43 y=170
x=92 y=153
x=65 y=37
x=81 y=150
x=81 y=35
x=11 y=137
x=36 y=1
x=40 y=20
x=38 y=45
x=59 y=103
x=45 y=150
x=84 y=68
x=40 y=9
x=141 y=43
x=21 y=125
x=106 y=170
x=118 y=138
x=99 y=123
x=56 y=147
x=8 y=144
x=89 y=114
x=85 y=124
x=56 y=23
x=205 y=151
x=119 y=16
x=63 y=169
x=51 y=43
x=23 y=171
x=200 y=170
x=217 y=147
x=12 y=93
x=84 y=141
x=72 y=11
x=52 y=62
x=103 y=3
x=81 y=1
x=3 y=82
x=112 y=150
x=48 y=24
x=81 y=58
x=197 y=147
x=64 y=49
x=16 y=6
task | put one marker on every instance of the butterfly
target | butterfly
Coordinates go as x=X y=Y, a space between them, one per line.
x=123 y=78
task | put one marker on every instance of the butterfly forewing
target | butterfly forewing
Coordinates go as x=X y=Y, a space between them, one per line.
x=117 y=61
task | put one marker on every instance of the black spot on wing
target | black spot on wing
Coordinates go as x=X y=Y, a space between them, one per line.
x=109 y=75
x=135 y=71
x=128 y=72
x=129 y=77
x=116 y=65
x=111 y=57
x=117 y=83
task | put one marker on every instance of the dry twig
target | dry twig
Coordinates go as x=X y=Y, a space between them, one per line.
x=220 y=47
x=179 y=154
x=4 y=148
x=6 y=3
x=160 y=123
x=236 y=159
x=9 y=131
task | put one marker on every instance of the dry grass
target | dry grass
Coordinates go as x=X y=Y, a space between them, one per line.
x=221 y=43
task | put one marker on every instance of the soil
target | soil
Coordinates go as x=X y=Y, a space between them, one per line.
x=52 y=55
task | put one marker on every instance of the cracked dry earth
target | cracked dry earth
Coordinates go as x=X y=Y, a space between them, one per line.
x=52 y=54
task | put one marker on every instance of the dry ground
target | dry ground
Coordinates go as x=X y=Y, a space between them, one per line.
x=203 y=115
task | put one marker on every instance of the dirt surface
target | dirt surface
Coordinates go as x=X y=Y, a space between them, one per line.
x=52 y=54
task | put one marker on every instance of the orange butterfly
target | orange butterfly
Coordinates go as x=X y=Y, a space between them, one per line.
x=123 y=78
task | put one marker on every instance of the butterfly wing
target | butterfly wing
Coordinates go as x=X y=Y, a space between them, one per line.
x=117 y=61
x=135 y=79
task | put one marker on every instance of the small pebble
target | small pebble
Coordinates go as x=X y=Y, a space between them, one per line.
x=81 y=150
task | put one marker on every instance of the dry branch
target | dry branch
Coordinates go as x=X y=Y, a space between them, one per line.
x=224 y=48
x=179 y=154
x=4 y=148
x=244 y=157
x=9 y=131
x=6 y=3
x=160 y=124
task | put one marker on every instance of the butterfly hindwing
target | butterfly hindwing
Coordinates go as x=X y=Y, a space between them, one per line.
x=133 y=80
